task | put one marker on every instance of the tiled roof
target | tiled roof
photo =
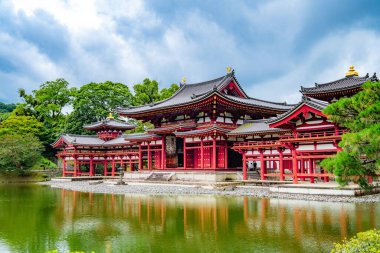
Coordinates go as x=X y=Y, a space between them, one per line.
x=202 y=131
x=259 y=102
x=348 y=82
x=92 y=140
x=190 y=93
x=312 y=102
x=172 y=128
x=255 y=127
x=109 y=123
x=141 y=136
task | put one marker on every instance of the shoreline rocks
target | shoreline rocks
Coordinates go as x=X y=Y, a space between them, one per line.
x=168 y=189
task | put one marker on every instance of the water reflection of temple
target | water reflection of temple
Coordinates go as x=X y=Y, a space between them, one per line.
x=216 y=218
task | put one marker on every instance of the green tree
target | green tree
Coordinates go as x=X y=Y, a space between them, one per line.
x=22 y=125
x=148 y=92
x=48 y=101
x=6 y=107
x=94 y=101
x=47 y=104
x=360 y=114
x=19 y=153
x=168 y=92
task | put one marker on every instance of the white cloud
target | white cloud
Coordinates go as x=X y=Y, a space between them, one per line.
x=127 y=41
x=327 y=61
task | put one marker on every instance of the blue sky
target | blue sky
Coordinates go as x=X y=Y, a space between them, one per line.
x=274 y=46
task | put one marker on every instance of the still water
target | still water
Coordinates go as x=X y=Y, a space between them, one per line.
x=37 y=218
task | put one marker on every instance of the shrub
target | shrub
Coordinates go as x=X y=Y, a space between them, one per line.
x=368 y=241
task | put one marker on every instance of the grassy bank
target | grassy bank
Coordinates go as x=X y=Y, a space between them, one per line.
x=29 y=177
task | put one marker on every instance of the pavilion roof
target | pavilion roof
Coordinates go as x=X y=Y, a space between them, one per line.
x=142 y=137
x=89 y=140
x=255 y=127
x=203 y=131
x=109 y=123
x=316 y=104
x=191 y=93
x=171 y=128
x=346 y=83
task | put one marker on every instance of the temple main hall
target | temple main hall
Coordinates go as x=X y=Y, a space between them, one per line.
x=215 y=126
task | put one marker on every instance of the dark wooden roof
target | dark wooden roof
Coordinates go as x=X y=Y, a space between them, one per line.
x=312 y=102
x=346 y=83
x=90 y=140
x=255 y=127
x=142 y=137
x=191 y=93
x=109 y=123
x=202 y=131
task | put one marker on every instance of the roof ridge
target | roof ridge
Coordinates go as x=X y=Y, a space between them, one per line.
x=206 y=82
x=261 y=100
x=318 y=85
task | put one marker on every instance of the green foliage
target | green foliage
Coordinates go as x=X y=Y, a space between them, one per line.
x=4 y=108
x=360 y=114
x=48 y=101
x=140 y=126
x=368 y=241
x=147 y=92
x=166 y=93
x=94 y=101
x=44 y=164
x=21 y=125
x=46 y=104
x=19 y=153
x=4 y=116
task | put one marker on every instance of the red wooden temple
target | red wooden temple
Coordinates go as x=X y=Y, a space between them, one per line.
x=216 y=126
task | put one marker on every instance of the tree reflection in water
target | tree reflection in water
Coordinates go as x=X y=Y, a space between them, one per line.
x=37 y=219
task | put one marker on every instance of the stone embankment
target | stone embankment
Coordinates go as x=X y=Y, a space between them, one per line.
x=178 y=189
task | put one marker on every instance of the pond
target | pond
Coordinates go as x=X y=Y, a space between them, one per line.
x=36 y=218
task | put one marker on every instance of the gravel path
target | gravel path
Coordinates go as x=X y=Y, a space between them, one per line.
x=165 y=189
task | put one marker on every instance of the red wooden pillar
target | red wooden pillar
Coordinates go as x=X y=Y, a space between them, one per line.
x=312 y=170
x=121 y=162
x=184 y=154
x=281 y=163
x=163 y=153
x=326 y=177
x=113 y=166
x=202 y=154
x=75 y=166
x=244 y=166
x=295 y=166
x=63 y=166
x=140 y=158
x=214 y=153
x=130 y=163
x=303 y=169
x=149 y=157
x=262 y=164
x=92 y=166
x=105 y=166
x=225 y=154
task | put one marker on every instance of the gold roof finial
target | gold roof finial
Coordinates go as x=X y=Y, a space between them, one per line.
x=352 y=72
x=229 y=69
x=183 y=81
x=110 y=116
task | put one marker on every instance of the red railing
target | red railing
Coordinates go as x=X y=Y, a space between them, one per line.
x=314 y=135
x=256 y=143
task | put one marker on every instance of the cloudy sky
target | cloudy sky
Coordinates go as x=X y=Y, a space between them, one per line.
x=274 y=46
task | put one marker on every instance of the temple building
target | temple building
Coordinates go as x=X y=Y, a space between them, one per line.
x=215 y=126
